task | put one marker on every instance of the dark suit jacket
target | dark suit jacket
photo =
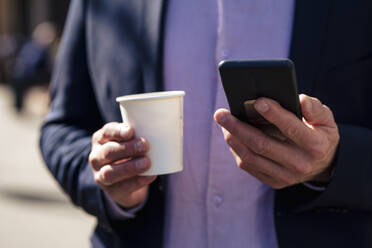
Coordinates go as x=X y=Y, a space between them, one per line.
x=114 y=47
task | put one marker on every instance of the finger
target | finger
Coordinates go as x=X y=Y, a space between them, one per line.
x=113 y=173
x=114 y=131
x=122 y=190
x=314 y=112
x=288 y=123
x=264 y=178
x=113 y=151
x=283 y=153
x=251 y=162
x=274 y=132
x=252 y=115
x=261 y=123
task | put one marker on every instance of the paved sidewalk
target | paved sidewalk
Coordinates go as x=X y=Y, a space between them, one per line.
x=33 y=210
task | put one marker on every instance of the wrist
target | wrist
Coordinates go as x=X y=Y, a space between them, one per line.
x=325 y=176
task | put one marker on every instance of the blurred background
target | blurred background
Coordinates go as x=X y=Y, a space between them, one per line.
x=33 y=210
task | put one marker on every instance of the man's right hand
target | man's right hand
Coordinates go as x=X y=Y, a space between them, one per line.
x=117 y=157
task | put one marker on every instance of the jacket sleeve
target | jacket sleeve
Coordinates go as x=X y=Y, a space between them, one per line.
x=350 y=188
x=65 y=140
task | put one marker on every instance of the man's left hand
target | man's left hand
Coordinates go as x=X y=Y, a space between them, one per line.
x=304 y=154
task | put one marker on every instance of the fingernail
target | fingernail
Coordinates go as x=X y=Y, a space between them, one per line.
x=261 y=106
x=222 y=118
x=141 y=164
x=139 y=146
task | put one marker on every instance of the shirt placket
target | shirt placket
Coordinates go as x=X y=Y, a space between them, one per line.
x=216 y=190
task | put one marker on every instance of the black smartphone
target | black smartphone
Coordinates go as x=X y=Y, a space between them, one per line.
x=246 y=80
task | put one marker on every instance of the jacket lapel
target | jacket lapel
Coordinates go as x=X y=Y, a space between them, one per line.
x=153 y=18
x=307 y=46
x=307 y=52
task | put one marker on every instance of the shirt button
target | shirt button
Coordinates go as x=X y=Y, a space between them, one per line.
x=217 y=200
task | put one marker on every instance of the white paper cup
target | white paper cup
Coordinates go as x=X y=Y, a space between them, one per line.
x=158 y=117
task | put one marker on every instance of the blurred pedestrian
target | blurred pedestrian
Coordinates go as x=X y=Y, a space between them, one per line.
x=8 y=50
x=34 y=61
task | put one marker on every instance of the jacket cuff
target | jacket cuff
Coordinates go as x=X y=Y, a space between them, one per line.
x=350 y=187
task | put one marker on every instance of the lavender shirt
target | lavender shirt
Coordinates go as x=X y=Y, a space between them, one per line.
x=212 y=203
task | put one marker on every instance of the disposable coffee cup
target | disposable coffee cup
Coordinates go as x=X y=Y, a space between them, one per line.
x=157 y=117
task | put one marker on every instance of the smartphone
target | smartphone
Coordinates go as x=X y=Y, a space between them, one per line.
x=246 y=80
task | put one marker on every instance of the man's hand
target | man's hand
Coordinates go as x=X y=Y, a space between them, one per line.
x=304 y=153
x=116 y=159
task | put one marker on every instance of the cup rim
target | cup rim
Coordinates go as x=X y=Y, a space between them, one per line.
x=150 y=96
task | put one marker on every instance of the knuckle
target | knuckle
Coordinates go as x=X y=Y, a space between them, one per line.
x=106 y=175
x=127 y=132
x=303 y=169
x=116 y=131
x=95 y=136
x=291 y=131
x=100 y=136
x=229 y=138
x=107 y=152
x=260 y=145
x=93 y=160
x=104 y=135
x=318 y=151
x=108 y=126
x=105 y=130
